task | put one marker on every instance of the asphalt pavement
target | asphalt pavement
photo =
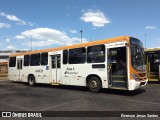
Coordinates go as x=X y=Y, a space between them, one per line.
x=16 y=96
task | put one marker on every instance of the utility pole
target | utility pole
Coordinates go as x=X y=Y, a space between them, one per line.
x=81 y=36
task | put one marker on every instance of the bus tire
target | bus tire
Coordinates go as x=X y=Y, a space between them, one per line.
x=31 y=80
x=94 y=84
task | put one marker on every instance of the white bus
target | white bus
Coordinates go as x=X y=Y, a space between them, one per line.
x=116 y=63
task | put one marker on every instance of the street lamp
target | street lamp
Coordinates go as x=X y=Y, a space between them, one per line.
x=81 y=36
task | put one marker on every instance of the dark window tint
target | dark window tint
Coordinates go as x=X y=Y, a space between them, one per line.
x=154 y=60
x=56 y=61
x=77 y=56
x=44 y=58
x=19 y=64
x=53 y=61
x=12 y=61
x=26 y=60
x=96 y=54
x=135 y=41
x=65 y=56
x=35 y=59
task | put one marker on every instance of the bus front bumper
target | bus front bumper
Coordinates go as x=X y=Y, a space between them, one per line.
x=137 y=84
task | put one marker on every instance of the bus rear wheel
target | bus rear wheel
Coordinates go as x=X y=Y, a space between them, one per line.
x=31 y=80
x=94 y=84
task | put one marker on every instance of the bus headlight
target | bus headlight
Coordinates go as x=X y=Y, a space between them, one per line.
x=135 y=77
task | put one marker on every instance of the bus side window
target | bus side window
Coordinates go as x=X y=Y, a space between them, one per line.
x=65 y=56
x=77 y=55
x=44 y=58
x=26 y=60
x=35 y=59
x=96 y=54
x=157 y=58
x=12 y=61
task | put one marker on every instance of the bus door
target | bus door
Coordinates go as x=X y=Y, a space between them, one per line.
x=19 y=70
x=117 y=68
x=56 y=68
x=153 y=66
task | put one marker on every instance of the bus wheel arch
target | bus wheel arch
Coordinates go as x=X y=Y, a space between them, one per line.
x=31 y=80
x=94 y=83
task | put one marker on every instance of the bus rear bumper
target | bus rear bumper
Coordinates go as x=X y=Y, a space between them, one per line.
x=137 y=84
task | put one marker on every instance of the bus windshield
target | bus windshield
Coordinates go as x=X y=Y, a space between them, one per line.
x=138 y=56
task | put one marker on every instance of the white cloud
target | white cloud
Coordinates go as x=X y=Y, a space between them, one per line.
x=150 y=27
x=11 y=47
x=30 y=24
x=47 y=37
x=5 y=25
x=20 y=37
x=8 y=40
x=16 y=19
x=72 y=31
x=96 y=17
x=10 y=17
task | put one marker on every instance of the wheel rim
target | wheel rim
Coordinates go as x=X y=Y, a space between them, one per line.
x=93 y=84
x=30 y=81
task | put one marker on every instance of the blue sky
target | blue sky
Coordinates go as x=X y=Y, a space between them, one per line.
x=52 y=23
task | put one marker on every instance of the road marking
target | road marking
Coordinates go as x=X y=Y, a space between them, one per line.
x=61 y=104
x=15 y=106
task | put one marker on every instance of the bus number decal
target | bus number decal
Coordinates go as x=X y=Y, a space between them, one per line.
x=40 y=70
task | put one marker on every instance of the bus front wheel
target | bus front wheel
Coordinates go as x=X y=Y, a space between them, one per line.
x=94 y=84
x=31 y=80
